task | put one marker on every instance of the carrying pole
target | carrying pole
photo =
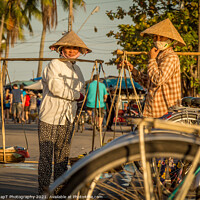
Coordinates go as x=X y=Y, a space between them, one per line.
x=95 y=116
x=119 y=96
x=98 y=99
x=2 y=115
x=120 y=52
x=1 y=90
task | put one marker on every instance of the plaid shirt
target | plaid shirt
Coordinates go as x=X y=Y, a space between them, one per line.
x=164 y=84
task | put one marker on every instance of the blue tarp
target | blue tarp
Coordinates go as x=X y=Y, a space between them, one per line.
x=36 y=79
x=25 y=83
x=113 y=82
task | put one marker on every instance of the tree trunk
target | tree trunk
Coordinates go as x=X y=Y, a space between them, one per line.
x=5 y=64
x=1 y=33
x=39 y=72
x=70 y=15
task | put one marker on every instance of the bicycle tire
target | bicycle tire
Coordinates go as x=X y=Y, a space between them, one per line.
x=186 y=117
x=122 y=150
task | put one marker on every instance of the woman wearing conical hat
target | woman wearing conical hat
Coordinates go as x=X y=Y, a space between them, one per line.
x=163 y=74
x=63 y=87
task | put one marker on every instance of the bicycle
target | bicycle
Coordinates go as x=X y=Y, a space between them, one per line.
x=103 y=173
x=184 y=115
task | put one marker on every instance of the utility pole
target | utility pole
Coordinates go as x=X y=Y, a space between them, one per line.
x=198 y=65
x=96 y=9
x=70 y=18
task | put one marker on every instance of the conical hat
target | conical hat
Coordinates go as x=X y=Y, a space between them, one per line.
x=165 y=28
x=70 y=39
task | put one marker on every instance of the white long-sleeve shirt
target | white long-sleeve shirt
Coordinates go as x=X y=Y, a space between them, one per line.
x=62 y=84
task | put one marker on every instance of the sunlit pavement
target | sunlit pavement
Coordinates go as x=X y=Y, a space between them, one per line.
x=21 y=178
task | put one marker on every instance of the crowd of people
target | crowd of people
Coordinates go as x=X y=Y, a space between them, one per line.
x=21 y=105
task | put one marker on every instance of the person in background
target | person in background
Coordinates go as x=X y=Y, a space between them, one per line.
x=108 y=105
x=24 y=93
x=91 y=97
x=16 y=99
x=63 y=87
x=27 y=105
x=105 y=116
x=7 y=106
x=39 y=99
x=32 y=107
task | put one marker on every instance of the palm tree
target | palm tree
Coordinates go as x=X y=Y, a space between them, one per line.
x=75 y=4
x=17 y=17
x=2 y=14
x=49 y=20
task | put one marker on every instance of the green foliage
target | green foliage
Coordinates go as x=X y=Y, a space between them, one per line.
x=31 y=9
x=76 y=3
x=18 y=15
x=17 y=18
x=2 y=6
x=145 y=13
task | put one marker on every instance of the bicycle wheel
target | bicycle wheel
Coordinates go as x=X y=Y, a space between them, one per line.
x=99 y=175
x=186 y=117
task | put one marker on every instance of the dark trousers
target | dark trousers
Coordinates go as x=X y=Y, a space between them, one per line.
x=112 y=116
x=54 y=140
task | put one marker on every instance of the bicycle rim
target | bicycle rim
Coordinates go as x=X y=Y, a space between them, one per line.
x=118 y=180
x=186 y=118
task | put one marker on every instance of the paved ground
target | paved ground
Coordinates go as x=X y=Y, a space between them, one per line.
x=19 y=180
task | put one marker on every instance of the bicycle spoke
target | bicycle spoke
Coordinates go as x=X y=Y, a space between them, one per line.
x=189 y=178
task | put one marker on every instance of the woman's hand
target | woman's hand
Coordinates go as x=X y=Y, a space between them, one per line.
x=153 y=53
x=126 y=65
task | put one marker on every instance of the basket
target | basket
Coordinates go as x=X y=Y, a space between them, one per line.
x=14 y=154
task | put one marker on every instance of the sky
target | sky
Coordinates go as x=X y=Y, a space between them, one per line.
x=101 y=46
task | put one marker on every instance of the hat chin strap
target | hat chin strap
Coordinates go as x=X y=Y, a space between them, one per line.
x=71 y=57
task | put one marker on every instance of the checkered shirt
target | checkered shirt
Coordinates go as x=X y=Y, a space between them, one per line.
x=164 y=84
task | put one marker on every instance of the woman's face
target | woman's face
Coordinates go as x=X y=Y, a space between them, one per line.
x=70 y=51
